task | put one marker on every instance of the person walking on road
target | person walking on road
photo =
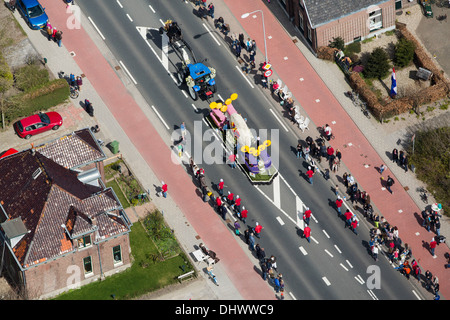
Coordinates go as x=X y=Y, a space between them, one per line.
x=258 y=228
x=348 y=218
x=310 y=174
x=339 y=203
x=220 y=186
x=232 y=159
x=307 y=233
x=230 y=199
x=299 y=150
x=307 y=215
x=354 y=225
x=244 y=214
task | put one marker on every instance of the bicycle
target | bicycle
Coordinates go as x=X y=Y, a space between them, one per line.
x=325 y=135
x=423 y=195
x=74 y=93
x=212 y=275
x=365 y=110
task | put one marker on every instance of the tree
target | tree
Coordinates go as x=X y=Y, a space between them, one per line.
x=404 y=52
x=6 y=82
x=337 y=43
x=377 y=65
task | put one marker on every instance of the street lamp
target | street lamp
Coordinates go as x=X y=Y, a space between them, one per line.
x=245 y=15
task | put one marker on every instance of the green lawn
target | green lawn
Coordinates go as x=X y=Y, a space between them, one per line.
x=123 y=200
x=144 y=275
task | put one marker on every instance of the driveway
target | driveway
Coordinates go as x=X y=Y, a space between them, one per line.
x=435 y=36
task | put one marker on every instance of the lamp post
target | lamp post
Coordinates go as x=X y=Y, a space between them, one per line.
x=245 y=15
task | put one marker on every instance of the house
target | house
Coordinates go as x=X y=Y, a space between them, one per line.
x=352 y=20
x=60 y=228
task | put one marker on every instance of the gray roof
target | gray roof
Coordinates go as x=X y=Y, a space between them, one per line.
x=323 y=11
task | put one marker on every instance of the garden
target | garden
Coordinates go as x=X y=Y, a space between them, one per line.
x=157 y=261
x=127 y=188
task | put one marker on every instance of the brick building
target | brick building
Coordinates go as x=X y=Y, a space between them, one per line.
x=352 y=20
x=60 y=228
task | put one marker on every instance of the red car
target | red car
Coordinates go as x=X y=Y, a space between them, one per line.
x=38 y=123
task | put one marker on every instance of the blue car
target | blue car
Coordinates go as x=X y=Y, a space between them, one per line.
x=33 y=13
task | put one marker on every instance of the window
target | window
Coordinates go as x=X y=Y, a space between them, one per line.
x=309 y=33
x=84 y=242
x=300 y=20
x=87 y=263
x=375 y=20
x=117 y=254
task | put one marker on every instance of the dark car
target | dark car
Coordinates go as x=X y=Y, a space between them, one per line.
x=33 y=13
x=38 y=123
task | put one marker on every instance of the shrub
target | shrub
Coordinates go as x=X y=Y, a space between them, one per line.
x=352 y=48
x=30 y=76
x=404 y=52
x=377 y=65
x=432 y=162
x=337 y=43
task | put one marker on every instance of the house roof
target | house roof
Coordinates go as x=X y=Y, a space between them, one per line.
x=321 y=12
x=50 y=199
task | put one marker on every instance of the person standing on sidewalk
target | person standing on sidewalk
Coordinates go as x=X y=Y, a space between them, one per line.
x=395 y=155
x=310 y=174
x=433 y=245
x=307 y=233
x=58 y=38
x=382 y=168
x=164 y=189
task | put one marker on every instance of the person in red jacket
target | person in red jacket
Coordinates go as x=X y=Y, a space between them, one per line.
x=339 y=203
x=258 y=230
x=220 y=187
x=237 y=204
x=230 y=198
x=353 y=225
x=433 y=244
x=218 y=203
x=348 y=217
x=310 y=174
x=330 y=152
x=307 y=215
x=307 y=233
x=164 y=189
x=244 y=214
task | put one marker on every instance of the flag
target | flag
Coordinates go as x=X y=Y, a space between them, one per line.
x=394 y=84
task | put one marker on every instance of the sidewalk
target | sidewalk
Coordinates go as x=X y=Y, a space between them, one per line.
x=318 y=87
x=109 y=91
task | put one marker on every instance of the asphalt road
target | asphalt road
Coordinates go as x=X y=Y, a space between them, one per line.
x=336 y=264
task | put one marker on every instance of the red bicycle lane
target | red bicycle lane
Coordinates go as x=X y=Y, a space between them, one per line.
x=358 y=154
x=146 y=140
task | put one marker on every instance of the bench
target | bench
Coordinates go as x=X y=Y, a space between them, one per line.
x=186 y=275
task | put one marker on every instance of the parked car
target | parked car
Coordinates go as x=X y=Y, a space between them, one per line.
x=38 y=123
x=33 y=13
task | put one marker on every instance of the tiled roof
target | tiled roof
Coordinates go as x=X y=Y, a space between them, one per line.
x=47 y=197
x=73 y=150
x=323 y=11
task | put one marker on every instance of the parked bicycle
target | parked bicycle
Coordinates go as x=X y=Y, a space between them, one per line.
x=74 y=91
x=423 y=194
x=212 y=275
x=365 y=110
